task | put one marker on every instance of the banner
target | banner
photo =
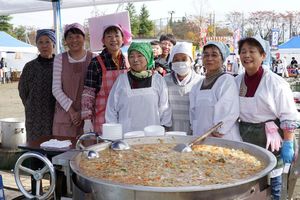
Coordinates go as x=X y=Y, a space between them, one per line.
x=274 y=38
x=203 y=34
x=236 y=38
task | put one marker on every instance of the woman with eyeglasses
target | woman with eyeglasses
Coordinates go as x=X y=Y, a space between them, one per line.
x=215 y=98
x=166 y=42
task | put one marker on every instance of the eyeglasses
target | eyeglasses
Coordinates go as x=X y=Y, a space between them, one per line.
x=213 y=55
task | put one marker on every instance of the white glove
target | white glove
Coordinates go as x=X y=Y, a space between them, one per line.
x=273 y=137
x=88 y=126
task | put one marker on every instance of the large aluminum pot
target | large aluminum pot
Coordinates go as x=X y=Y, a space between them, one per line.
x=255 y=187
x=13 y=132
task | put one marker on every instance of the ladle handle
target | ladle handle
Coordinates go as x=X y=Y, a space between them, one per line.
x=79 y=144
x=207 y=133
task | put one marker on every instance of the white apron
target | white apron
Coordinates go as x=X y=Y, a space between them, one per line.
x=140 y=109
x=210 y=106
x=248 y=109
x=205 y=101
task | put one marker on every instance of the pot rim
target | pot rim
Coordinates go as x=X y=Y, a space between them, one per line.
x=11 y=120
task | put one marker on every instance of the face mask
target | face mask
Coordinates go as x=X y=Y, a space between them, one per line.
x=181 y=68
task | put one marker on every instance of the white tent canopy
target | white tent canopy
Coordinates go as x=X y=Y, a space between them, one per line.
x=17 y=6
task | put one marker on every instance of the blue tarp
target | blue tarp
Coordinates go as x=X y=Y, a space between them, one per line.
x=293 y=43
x=11 y=44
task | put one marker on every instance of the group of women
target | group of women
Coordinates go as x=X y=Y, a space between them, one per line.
x=62 y=94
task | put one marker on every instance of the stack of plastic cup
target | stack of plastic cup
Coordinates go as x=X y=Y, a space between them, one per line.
x=112 y=131
x=154 y=130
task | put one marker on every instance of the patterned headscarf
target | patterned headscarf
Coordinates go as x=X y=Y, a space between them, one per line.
x=47 y=32
x=145 y=49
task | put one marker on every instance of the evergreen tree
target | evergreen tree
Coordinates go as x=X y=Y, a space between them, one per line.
x=146 y=26
x=4 y=23
x=20 y=33
x=134 y=21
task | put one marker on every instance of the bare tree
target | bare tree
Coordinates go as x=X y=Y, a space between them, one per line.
x=292 y=21
x=262 y=23
x=235 y=20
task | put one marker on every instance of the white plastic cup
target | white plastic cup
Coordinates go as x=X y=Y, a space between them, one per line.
x=154 y=130
x=112 y=131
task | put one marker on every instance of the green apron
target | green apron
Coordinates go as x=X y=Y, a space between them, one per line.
x=255 y=133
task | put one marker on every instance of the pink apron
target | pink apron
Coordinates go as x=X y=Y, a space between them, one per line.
x=108 y=79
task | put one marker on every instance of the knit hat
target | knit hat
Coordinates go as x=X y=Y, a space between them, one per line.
x=224 y=50
x=47 y=32
x=145 y=49
x=74 y=25
x=182 y=47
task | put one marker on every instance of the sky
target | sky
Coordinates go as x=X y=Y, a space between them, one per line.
x=159 y=9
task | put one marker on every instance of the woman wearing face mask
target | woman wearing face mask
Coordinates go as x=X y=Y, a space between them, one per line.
x=139 y=98
x=215 y=98
x=180 y=82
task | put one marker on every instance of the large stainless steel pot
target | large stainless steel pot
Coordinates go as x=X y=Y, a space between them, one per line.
x=13 y=132
x=255 y=187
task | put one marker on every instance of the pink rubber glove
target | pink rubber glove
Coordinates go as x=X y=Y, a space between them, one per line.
x=273 y=137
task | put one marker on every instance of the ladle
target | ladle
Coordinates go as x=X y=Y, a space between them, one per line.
x=91 y=154
x=188 y=147
x=117 y=145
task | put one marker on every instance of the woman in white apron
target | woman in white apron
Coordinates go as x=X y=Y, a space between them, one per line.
x=139 y=98
x=215 y=98
x=267 y=110
x=180 y=82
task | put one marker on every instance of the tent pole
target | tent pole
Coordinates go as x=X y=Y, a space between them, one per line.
x=57 y=25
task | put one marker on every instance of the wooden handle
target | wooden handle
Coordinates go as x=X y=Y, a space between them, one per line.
x=207 y=133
